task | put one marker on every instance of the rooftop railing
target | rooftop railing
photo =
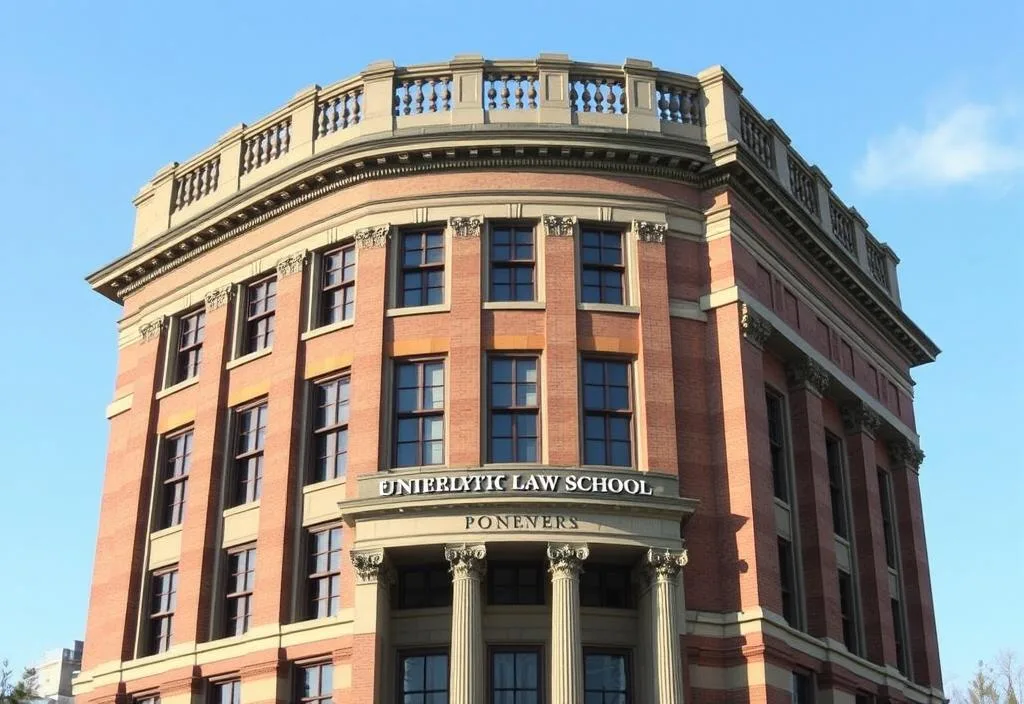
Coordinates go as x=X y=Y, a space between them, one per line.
x=707 y=109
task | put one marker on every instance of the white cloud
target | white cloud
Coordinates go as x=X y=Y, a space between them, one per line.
x=970 y=143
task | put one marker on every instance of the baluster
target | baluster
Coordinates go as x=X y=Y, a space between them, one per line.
x=504 y=92
x=264 y=145
x=286 y=136
x=215 y=169
x=406 y=97
x=599 y=84
x=586 y=95
x=417 y=98
x=321 y=119
x=673 y=105
x=573 y=96
x=519 y=104
x=531 y=93
x=622 y=97
x=662 y=104
x=429 y=98
x=688 y=108
x=178 y=193
x=445 y=96
x=356 y=116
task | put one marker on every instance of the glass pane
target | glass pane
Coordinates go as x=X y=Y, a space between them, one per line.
x=618 y=428
x=501 y=450
x=524 y=275
x=437 y=672
x=526 y=671
x=591 y=277
x=435 y=240
x=501 y=425
x=618 y=373
x=501 y=369
x=593 y=452
x=433 y=428
x=593 y=397
x=501 y=236
x=502 y=292
x=593 y=427
x=412 y=674
x=408 y=376
x=504 y=670
x=408 y=430
x=501 y=395
x=408 y=400
x=433 y=452
x=408 y=454
x=501 y=252
x=526 y=395
x=591 y=239
x=593 y=372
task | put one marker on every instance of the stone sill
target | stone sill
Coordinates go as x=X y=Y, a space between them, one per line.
x=327 y=329
x=609 y=308
x=245 y=359
x=418 y=310
x=514 y=305
x=164 y=393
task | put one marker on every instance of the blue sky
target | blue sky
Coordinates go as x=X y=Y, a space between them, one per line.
x=913 y=110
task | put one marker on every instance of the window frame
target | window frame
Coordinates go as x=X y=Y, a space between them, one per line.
x=300 y=671
x=156 y=640
x=514 y=410
x=404 y=653
x=313 y=577
x=601 y=570
x=848 y=611
x=171 y=511
x=323 y=291
x=420 y=413
x=622 y=268
x=423 y=268
x=312 y=475
x=235 y=683
x=251 y=322
x=900 y=634
x=607 y=413
x=837 y=482
x=188 y=357
x=513 y=263
x=782 y=477
x=401 y=602
x=800 y=677
x=627 y=657
x=890 y=535
x=516 y=649
x=244 y=596
x=517 y=565
x=789 y=583
x=240 y=459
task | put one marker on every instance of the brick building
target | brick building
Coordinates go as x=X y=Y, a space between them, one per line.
x=509 y=381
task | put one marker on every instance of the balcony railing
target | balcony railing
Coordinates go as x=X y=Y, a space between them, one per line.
x=707 y=110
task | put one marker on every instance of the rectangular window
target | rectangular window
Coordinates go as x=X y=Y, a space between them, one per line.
x=316 y=684
x=888 y=520
x=424 y=587
x=837 y=486
x=177 y=461
x=608 y=413
x=605 y=678
x=229 y=692
x=515 y=676
x=787 y=579
x=422 y=272
x=330 y=428
x=777 y=444
x=149 y=699
x=250 y=434
x=338 y=286
x=189 y=354
x=515 y=584
x=240 y=579
x=803 y=689
x=515 y=408
x=163 y=599
x=260 y=299
x=900 y=634
x=606 y=586
x=512 y=264
x=419 y=413
x=324 y=588
x=603 y=267
x=423 y=678
x=847 y=606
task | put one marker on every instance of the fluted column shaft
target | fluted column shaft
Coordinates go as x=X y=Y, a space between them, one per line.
x=466 y=660
x=566 y=634
x=663 y=568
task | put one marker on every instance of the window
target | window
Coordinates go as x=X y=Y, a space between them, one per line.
x=848 y=609
x=423 y=678
x=603 y=267
x=777 y=445
x=177 y=460
x=605 y=678
x=803 y=689
x=515 y=584
x=147 y=699
x=512 y=264
x=324 y=572
x=900 y=633
x=189 y=354
x=260 y=299
x=515 y=407
x=241 y=576
x=338 y=286
x=424 y=587
x=787 y=578
x=229 y=692
x=608 y=413
x=888 y=522
x=515 y=676
x=606 y=586
x=837 y=486
x=163 y=598
x=316 y=684
x=422 y=274
x=330 y=428
x=251 y=432
x=419 y=413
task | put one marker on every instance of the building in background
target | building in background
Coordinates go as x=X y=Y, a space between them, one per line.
x=494 y=381
x=54 y=672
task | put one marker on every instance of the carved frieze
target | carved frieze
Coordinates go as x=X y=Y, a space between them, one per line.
x=373 y=237
x=466 y=227
x=650 y=231
x=151 y=330
x=292 y=264
x=218 y=297
x=559 y=225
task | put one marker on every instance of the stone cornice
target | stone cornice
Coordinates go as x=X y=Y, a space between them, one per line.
x=904 y=453
x=809 y=374
x=754 y=327
x=466 y=227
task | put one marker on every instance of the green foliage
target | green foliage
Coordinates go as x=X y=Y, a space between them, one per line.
x=20 y=691
x=998 y=684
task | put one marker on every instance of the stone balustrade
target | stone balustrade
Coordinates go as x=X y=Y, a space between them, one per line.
x=706 y=111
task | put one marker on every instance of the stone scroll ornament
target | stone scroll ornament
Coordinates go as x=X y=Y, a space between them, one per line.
x=567 y=559
x=372 y=237
x=665 y=564
x=466 y=560
x=466 y=227
x=369 y=565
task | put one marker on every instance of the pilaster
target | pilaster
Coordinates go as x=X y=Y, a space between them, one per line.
x=370 y=653
x=560 y=369
x=464 y=355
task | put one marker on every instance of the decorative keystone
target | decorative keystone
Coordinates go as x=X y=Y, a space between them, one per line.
x=466 y=560
x=754 y=327
x=373 y=237
x=151 y=330
x=292 y=264
x=560 y=226
x=567 y=560
x=810 y=374
x=858 y=418
x=653 y=232
x=905 y=453
x=466 y=227
x=218 y=297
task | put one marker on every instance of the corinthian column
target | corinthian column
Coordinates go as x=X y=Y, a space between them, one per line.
x=662 y=567
x=566 y=636
x=466 y=662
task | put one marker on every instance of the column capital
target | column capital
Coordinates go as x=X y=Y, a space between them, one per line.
x=151 y=330
x=808 y=374
x=665 y=564
x=650 y=231
x=466 y=560
x=370 y=567
x=904 y=453
x=567 y=560
x=372 y=237
x=219 y=297
x=292 y=264
x=466 y=226
x=559 y=226
x=754 y=327
x=858 y=418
